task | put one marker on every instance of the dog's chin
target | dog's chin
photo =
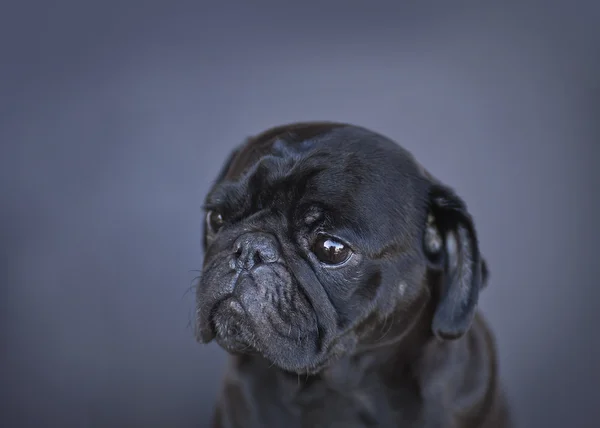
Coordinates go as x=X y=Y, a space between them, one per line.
x=263 y=311
x=231 y=329
x=234 y=331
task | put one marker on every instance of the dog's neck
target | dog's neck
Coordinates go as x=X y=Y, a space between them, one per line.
x=392 y=350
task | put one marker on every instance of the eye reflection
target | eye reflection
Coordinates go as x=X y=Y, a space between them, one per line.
x=214 y=221
x=330 y=251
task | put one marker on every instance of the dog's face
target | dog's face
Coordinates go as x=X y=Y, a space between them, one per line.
x=315 y=231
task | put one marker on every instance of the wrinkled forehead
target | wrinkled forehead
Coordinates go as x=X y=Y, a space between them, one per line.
x=348 y=173
x=287 y=140
x=290 y=176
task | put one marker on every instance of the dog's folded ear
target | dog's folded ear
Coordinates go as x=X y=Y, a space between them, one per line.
x=450 y=244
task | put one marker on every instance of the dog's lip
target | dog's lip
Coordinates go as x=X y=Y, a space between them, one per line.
x=230 y=340
x=208 y=331
x=230 y=302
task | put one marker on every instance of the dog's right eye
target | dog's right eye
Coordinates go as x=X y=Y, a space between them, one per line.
x=330 y=251
x=214 y=221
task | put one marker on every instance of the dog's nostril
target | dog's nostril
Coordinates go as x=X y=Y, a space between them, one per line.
x=255 y=249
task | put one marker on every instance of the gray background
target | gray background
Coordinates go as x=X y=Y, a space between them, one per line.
x=115 y=117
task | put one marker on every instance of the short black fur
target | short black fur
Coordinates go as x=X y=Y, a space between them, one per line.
x=390 y=337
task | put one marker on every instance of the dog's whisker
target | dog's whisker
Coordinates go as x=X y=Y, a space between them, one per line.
x=193 y=286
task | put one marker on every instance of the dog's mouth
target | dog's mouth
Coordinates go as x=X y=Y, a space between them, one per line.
x=266 y=314
x=230 y=326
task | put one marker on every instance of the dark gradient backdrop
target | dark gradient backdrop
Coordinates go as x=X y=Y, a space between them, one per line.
x=115 y=117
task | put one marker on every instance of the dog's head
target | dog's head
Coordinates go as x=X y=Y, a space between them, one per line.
x=317 y=232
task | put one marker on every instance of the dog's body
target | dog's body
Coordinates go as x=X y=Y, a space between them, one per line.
x=344 y=279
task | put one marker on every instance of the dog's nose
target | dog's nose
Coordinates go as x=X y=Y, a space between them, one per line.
x=252 y=249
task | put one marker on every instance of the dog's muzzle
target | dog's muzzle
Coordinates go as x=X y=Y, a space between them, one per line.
x=227 y=321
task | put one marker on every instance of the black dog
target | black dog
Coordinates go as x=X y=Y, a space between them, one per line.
x=344 y=279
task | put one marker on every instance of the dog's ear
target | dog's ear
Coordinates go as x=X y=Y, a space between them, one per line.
x=450 y=244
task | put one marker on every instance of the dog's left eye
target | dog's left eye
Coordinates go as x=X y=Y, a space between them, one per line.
x=330 y=251
x=214 y=221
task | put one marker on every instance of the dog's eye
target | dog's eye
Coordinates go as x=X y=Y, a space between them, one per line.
x=214 y=221
x=330 y=251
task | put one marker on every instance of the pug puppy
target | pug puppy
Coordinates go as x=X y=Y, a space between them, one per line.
x=343 y=280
